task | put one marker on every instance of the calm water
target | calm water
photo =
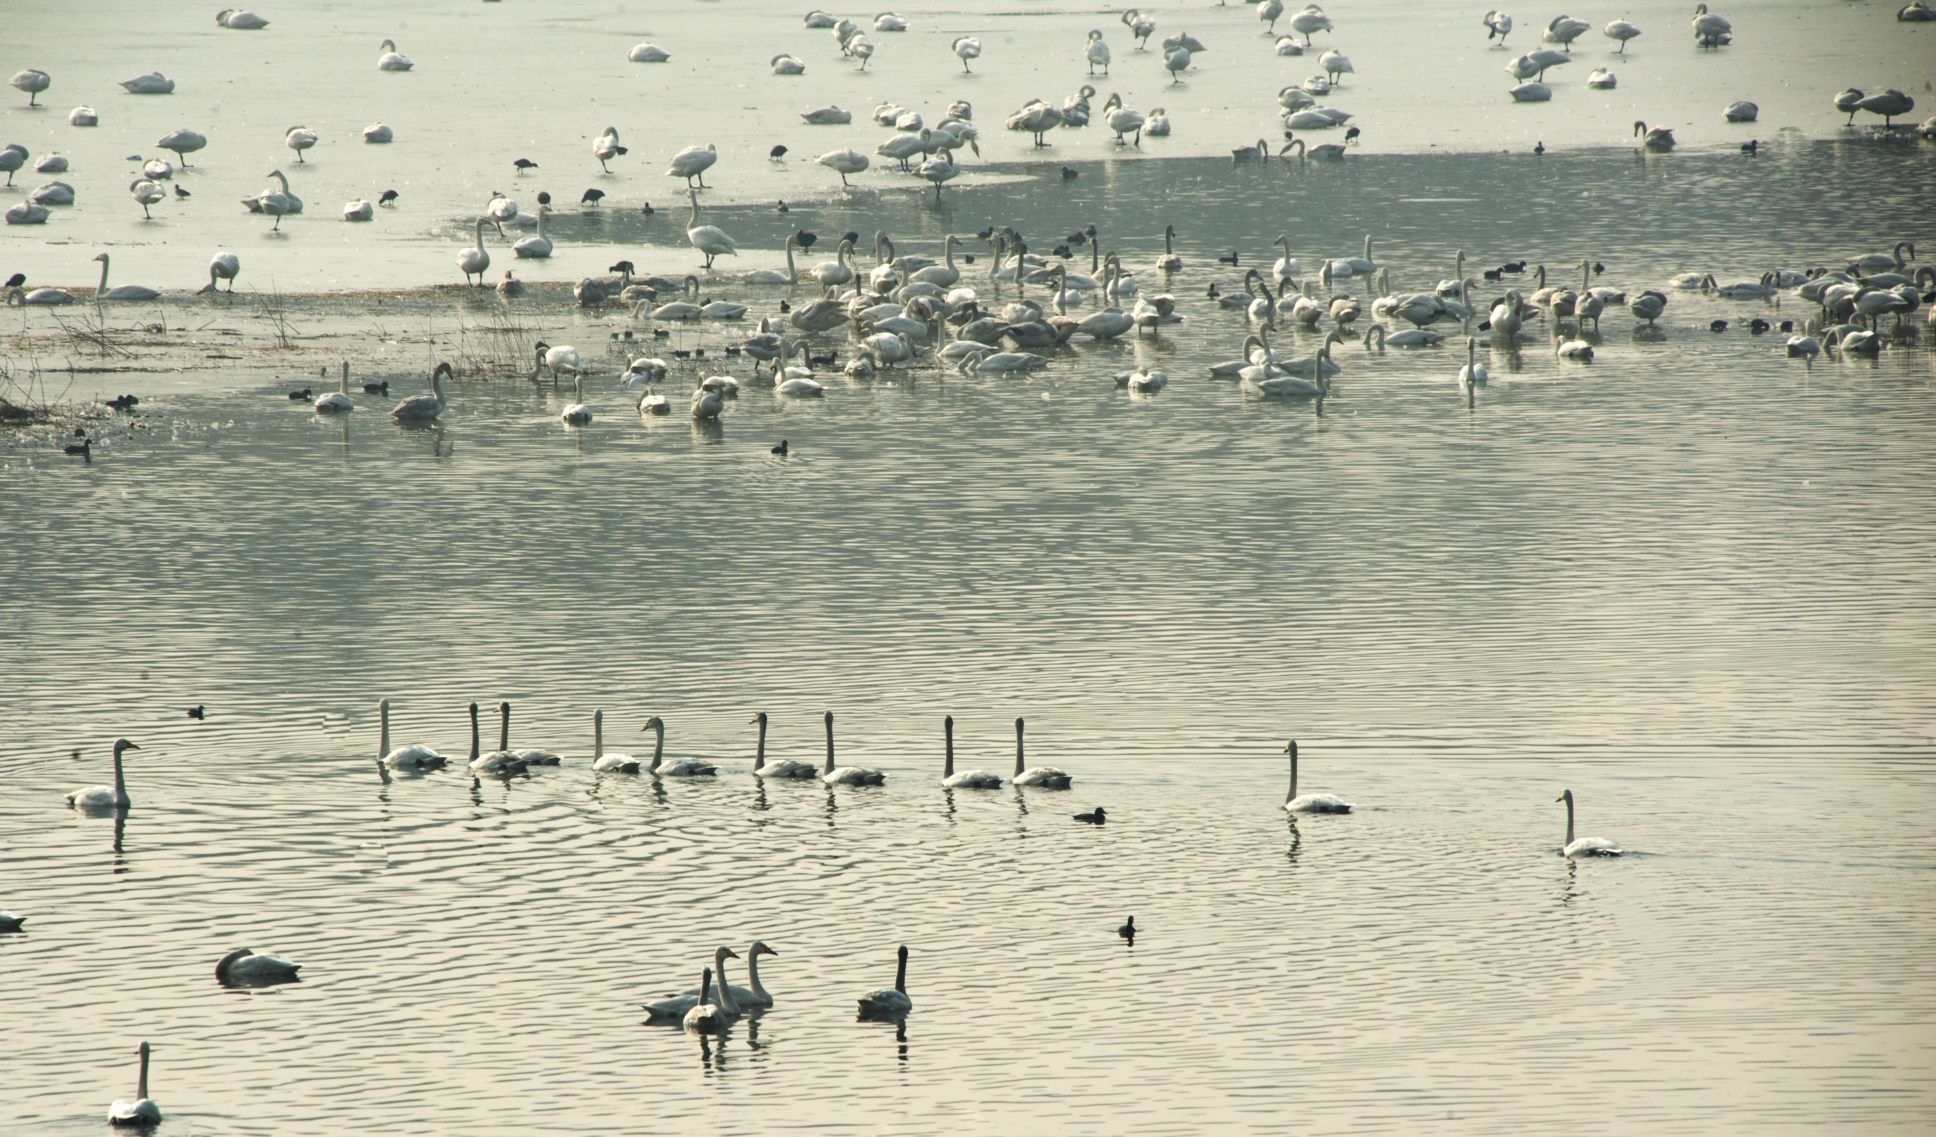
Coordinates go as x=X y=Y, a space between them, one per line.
x=1691 y=581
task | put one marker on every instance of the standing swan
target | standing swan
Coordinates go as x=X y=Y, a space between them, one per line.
x=423 y=408
x=475 y=260
x=889 y=1003
x=786 y=768
x=1584 y=846
x=708 y=239
x=103 y=799
x=142 y=1110
x=967 y=779
x=1048 y=777
x=223 y=265
x=1310 y=803
x=847 y=775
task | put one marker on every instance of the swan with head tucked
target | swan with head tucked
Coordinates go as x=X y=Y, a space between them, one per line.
x=677 y=1006
x=244 y=968
x=966 y=779
x=785 y=768
x=1047 y=777
x=1583 y=846
x=414 y=757
x=889 y=1002
x=391 y=59
x=846 y=775
x=103 y=799
x=141 y=1109
x=677 y=767
x=1310 y=803
x=122 y=292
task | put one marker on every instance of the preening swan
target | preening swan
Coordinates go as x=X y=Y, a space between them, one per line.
x=1047 y=777
x=1584 y=846
x=786 y=768
x=122 y=292
x=1620 y=30
x=474 y=260
x=105 y=799
x=889 y=1003
x=603 y=763
x=1097 y=52
x=1564 y=30
x=1497 y=24
x=241 y=19
x=244 y=968
x=606 y=147
x=31 y=81
x=967 y=779
x=1711 y=30
x=1310 y=803
x=846 y=775
x=965 y=49
x=423 y=408
x=299 y=139
x=141 y=1109
x=415 y=757
x=677 y=767
x=784 y=64
x=391 y=60
x=224 y=266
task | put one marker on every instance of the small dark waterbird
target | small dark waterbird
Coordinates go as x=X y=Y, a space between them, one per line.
x=387 y=197
x=1128 y=930
x=1096 y=817
x=524 y=164
x=198 y=713
x=781 y=449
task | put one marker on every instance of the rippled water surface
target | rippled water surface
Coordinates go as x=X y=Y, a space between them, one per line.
x=1690 y=580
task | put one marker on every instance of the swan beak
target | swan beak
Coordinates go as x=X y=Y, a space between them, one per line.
x=732 y=955
x=755 y=718
x=764 y=950
x=1562 y=797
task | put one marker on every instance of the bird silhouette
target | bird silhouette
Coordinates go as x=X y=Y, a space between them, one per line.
x=592 y=195
x=777 y=152
x=781 y=449
x=387 y=197
x=196 y=712
x=524 y=164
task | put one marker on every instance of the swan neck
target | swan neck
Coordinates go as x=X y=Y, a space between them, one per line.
x=344 y=386
x=900 y=974
x=1569 y=821
x=141 y=1082
x=658 y=744
x=949 y=729
x=726 y=1002
x=753 y=977
x=1291 y=795
x=830 y=743
x=120 y=787
x=793 y=274
x=504 y=726
x=473 y=732
x=383 y=728
x=759 y=755
x=598 y=735
x=1018 y=746
x=102 y=290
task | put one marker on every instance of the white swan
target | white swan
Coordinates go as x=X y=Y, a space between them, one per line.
x=677 y=767
x=1047 y=777
x=577 y=414
x=846 y=775
x=1584 y=846
x=1711 y=30
x=1531 y=93
x=1622 y=31
x=606 y=147
x=183 y=143
x=1564 y=348
x=1410 y=337
x=153 y=83
x=423 y=408
x=1474 y=373
x=1335 y=63
x=500 y=209
x=378 y=133
x=83 y=116
x=889 y=1002
x=1096 y=52
x=362 y=209
x=338 y=400
x=710 y=240
x=415 y=757
x=244 y=968
x=299 y=139
x=1310 y=803
x=391 y=59
x=224 y=266
x=693 y=162
x=775 y=276
x=705 y=1016
x=1497 y=24
x=563 y=358
x=1741 y=110
x=965 y=49
x=475 y=260
x=31 y=81
x=648 y=53
x=966 y=779
x=1564 y=30
x=603 y=763
x=103 y=799
x=1600 y=79
x=530 y=248
x=1310 y=20
x=828 y=116
x=784 y=64
x=241 y=19
x=783 y=769
x=122 y=292
x=677 y=1006
x=744 y=997
x=141 y=1109
x=503 y=761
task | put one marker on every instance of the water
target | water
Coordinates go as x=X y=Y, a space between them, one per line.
x=1689 y=581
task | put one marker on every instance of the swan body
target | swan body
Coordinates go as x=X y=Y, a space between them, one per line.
x=1096 y=52
x=337 y=401
x=224 y=266
x=140 y=1110
x=416 y=757
x=1803 y=347
x=1564 y=30
x=27 y=213
x=1710 y=30
x=606 y=147
x=103 y=799
x=1046 y=777
x=889 y=1002
x=1579 y=350
x=1143 y=381
x=692 y=163
x=648 y=53
x=1622 y=31
x=1309 y=21
x=362 y=209
x=1741 y=111
x=32 y=81
x=536 y=247
x=1602 y=80
x=244 y=968
x=828 y=116
x=661 y=767
x=51 y=164
x=1335 y=63
x=1531 y=93
x=965 y=49
x=391 y=59
x=603 y=763
x=53 y=193
x=577 y=414
x=784 y=64
x=1474 y=373
x=182 y=143
x=83 y=116
x=299 y=139
x=1410 y=337
x=785 y=770
x=965 y=779
x=1583 y=846
x=710 y=240
x=241 y=19
x=1498 y=24
x=153 y=83
x=423 y=408
x=1295 y=802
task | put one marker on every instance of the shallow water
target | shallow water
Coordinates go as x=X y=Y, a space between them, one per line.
x=1689 y=581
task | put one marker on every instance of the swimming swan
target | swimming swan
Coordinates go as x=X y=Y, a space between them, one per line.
x=678 y=767
x=786 y=768
x=757 y=995
x=105 y=799
x=503 y=761
x=1047 y=777
x=677 y=1006
x=1310 y=803
x=602 y=762
x=142 y=1110
x=244 y=968
x=416 y=757
x=423 y=408
x=1584 y=846
x=967 y=779
x=846 y=775
x=889 y=1003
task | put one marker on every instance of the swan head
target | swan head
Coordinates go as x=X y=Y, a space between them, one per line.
x=758 y=718
x=121 y=744
x=655 y=723
x=759 y=948
x=387 y=45
x=724 y=953
x=1567 y=795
